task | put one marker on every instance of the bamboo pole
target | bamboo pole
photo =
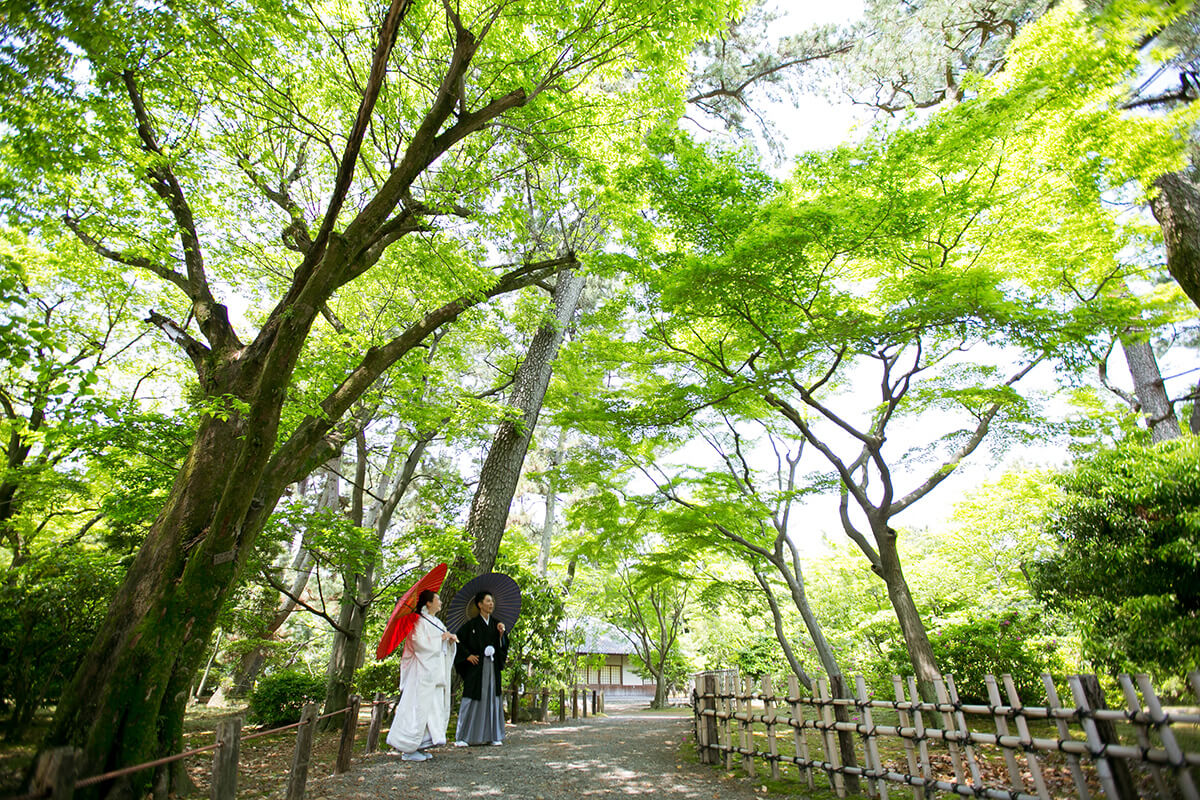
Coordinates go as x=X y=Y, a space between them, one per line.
x=1035 y=770
x=769 y=715
x=943 y=698
x=829 y=738
x=745 y=706
x=960 y=721
x=905 y=722
x=1095 y=743
x=1186 y=785
x=799 y=739
x=1001 y=721
x=919 y=726
x=870 y=746
x=1052 y=702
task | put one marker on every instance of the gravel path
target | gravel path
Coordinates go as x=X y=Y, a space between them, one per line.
x=623 y=754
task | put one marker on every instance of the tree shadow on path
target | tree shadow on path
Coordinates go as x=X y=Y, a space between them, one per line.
x=624 y=754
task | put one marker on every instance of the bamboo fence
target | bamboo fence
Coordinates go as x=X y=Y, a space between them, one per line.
x=1003 y=749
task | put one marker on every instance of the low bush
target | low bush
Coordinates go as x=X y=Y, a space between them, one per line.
x=280 y=697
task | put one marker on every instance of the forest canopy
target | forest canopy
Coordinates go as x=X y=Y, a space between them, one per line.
x=300 y=300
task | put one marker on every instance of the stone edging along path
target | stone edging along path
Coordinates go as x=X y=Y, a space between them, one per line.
x=623 y=754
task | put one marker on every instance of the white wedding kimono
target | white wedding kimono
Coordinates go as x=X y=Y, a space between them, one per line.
x=423 y=712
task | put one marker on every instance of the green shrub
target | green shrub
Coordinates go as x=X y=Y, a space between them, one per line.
x=279 y=698
x=1005 y=641
x=380 y=676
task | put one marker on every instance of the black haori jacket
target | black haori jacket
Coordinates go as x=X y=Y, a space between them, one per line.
x=473 y=637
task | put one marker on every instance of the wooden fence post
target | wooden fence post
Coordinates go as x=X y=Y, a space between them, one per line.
x=514 y=705
x=584 y=699
x=574 y=702
x=870 y=746
x=545 y=715
x=349 y=729
x=55 y=773
x=378 y=708
x=298 y=777
x=562 y=705
x=225 y=759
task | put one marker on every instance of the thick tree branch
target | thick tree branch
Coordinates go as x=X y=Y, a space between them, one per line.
x=196 y=351
x=345 y=175
x=211 y=316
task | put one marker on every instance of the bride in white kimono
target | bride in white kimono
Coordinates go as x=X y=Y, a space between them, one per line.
x=423 y=712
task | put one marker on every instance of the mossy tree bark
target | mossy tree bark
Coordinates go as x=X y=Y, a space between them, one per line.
x=125 y=703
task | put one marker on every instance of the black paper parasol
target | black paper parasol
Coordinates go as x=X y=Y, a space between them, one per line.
x=504 y=591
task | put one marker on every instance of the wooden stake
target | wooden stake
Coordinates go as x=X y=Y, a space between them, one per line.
x=225 y=759
x=55 y=773
x=349 y=729
x=298 y=778
x=378 y=709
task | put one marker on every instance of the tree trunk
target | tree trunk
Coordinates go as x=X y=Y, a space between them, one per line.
x=660 y=690
x=502 y=467
x=920 y=652
x=1177 y=209
x=777 y=620
x=157 y=627
x=837 y=683
x=551 y=502
x=253 y=660
x=359 y=590
x=125 y=703
x=1194 y=418
x=347 y=650
x=1149 y=388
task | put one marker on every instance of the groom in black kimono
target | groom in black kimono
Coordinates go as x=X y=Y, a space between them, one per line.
x=482 y=653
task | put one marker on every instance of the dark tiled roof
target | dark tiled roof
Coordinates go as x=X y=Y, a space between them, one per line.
x=600 y=637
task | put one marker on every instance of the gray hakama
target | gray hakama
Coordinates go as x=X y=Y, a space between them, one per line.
x=482 y=721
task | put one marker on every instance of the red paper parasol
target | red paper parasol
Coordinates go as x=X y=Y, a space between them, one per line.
x=403 y=618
